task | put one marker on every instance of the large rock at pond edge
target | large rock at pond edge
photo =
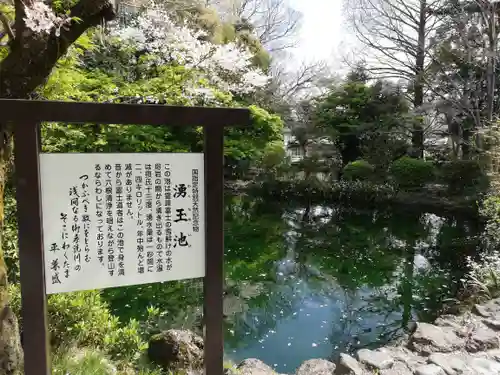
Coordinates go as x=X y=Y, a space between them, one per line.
x=316 y=367
x=176 y=350
x=348 y=366
x=253 y=366
x=429 y=338
x=375 y=359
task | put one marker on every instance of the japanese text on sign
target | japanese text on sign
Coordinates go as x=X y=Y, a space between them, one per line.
x=121 y=219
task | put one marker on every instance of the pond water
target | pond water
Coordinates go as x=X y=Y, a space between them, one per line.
x=313 y=282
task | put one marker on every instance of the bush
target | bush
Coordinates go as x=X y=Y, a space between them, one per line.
x=409 y=172
x=358 y=170
x=83 y=319
x=462 y=174
x=82 y=362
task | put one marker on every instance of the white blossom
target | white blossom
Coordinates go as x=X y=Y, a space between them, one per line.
x=227 y=66
x=40 y=18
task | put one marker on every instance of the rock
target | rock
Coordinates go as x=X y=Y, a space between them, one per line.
x=481 y=311
x=484 y=366
x=316 y=367
x=482 y=339
x=429 y=338
x=375 y=359
x=348 y=366
x=429 y=370
x=494 y=354
x=176 y=350
x=253 y=366
x=492 y=323
x=451 y=364
x=489 y=309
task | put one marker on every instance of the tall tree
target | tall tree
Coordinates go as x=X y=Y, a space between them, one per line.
x=464 y=69
x=397 y=36
x=36 y=36
x=275 y=22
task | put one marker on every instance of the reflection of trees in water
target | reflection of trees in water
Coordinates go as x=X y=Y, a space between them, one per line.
x=366 y=259
x=276 y=256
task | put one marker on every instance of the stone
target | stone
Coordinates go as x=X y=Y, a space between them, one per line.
x=375 y=359
x=492 y=323
x=481 y=311
x=482 y=339
x=484 y=366
x=348 y=366
x=429 y=338
x=176 y=350
x=488 y=310
x=253 y=366
x=316 y=367
x=450 y=363
x=430 y=369
x=494 y=354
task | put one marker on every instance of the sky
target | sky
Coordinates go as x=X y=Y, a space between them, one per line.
x=323 y=34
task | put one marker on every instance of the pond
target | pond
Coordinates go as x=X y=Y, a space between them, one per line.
x=313 y=282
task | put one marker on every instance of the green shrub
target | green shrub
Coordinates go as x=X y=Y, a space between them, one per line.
x=83 y=319
x=358 y=170
x=82 y=362
x=409 y=172
x=462 y=174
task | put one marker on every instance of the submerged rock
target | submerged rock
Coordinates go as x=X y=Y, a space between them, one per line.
x=176 y=350
x=316 y=367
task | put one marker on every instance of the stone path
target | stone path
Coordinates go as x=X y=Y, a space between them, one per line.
x=468 y=344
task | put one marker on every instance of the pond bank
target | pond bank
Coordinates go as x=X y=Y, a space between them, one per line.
x=357 y=194
x=467 y=344
x=452 y=345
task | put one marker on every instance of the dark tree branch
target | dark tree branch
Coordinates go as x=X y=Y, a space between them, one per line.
x=33 y=55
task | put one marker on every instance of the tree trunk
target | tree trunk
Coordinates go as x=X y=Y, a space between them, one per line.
x=11 y=354
x=418 y=98
x=492 y=53
x=407 y=289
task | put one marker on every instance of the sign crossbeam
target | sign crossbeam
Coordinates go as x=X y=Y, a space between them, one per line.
x=33 y=249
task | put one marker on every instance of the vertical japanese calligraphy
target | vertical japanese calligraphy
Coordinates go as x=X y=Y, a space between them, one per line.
x=110 y=218
x=120 y=235
x=158 y=209
x=99 y=211
x=121 y=219
x=139 y=195
x=196 y=207
x=168 y=216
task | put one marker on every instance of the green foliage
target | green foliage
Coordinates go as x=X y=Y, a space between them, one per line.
x=460 y=175
x=346 y=192
x=355 y=112
x=358 y=170
x=82 y=363
x=83 y=319
x=408 y=172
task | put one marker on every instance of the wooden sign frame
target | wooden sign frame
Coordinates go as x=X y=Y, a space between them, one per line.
x=26 y=117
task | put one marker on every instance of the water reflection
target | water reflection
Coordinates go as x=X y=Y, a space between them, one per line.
x=312 y=282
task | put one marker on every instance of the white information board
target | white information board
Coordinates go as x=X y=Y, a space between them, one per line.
x=121 y=219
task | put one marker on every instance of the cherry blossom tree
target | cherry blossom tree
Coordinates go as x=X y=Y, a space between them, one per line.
x=33 y=40
x=228 y=67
